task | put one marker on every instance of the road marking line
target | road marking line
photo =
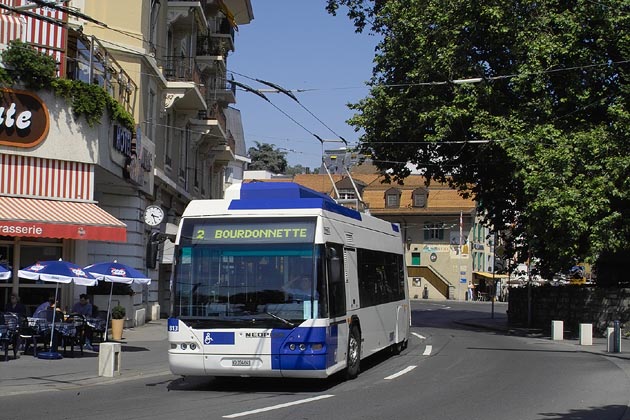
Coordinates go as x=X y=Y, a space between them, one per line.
x=427 y=350
x=402 y=372
x=276 y=407
x=421 y=337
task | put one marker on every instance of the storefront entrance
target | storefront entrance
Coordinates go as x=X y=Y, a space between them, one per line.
x=17 y=253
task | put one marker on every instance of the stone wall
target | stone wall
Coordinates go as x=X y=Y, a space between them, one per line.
x=571 y=304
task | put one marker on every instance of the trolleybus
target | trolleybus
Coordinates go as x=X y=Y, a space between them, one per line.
x=277 y=280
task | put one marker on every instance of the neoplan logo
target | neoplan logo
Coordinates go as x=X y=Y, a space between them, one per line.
x=24 y=118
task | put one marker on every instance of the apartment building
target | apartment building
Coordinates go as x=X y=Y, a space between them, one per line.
x=166 y=61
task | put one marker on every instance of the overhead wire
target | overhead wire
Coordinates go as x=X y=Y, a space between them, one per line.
x=288 y=92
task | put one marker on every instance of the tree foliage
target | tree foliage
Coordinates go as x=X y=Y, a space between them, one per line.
x=266 y=157
x=538 y=132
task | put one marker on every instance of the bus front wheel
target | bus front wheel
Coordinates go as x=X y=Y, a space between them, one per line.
x=354 y=353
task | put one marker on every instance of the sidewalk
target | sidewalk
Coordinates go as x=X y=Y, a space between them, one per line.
x=499 y=324
x=144 y=354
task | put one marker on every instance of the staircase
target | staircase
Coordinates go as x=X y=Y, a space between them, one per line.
x=438 y=281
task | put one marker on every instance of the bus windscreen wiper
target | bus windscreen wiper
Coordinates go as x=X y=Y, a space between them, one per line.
x=280 y=319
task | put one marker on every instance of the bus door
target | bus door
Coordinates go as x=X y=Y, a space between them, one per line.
x=337 y=300
x=351 y=278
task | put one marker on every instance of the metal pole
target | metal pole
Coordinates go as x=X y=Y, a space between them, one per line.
x=617 y=336
x=494 y=269
x=529 y=291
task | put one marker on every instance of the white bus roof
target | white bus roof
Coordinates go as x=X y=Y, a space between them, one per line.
x=277 y=199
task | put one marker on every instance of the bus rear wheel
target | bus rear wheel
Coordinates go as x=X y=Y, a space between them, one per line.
x=354 y=354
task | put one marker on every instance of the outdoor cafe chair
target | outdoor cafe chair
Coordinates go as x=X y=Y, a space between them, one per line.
x=73 y=333
x=32 y=332
x=9 y=334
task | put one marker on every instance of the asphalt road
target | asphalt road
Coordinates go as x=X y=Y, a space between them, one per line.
x=449 y=371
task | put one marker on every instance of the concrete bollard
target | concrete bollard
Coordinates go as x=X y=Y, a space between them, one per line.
x=557 y=330
x=586 y=334
x=610 y=339
x=109 y=358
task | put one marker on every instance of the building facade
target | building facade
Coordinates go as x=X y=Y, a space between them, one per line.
x=444 y=238
x=166 y=62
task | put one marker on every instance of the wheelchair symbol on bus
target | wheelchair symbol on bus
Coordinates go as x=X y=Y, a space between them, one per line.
x=207 y=339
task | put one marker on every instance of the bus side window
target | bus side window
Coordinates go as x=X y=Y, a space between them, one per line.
x=336 y=281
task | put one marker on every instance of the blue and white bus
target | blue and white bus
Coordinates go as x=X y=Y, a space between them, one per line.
x=237 y=308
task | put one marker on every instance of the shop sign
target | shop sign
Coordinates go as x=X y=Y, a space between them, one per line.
x=52 y=230
x=122 y=140
x=139 y=160
x=24 y=118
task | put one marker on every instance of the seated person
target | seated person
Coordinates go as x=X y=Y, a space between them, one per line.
x=15 y=306
x=83 y=306
x=43 y=309
x=300 y=288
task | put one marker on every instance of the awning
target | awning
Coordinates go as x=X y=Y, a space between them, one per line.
x=38 y=218
x=487 y=275
x=10 y=28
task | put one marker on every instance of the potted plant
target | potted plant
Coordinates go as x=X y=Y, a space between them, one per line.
x=118 y=320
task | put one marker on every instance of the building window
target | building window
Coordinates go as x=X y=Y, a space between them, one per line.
x=183 y=158
x=392 y=198
x=433 y=230
x=151 y=115
x=197 y=170
x=347 y=195
x=168 y=144
x=420 y=197
x=415 y=258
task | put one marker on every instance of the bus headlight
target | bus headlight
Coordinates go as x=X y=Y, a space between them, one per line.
x=183 y=346
x=193 y=346
x=292 y=346
x=302 y=346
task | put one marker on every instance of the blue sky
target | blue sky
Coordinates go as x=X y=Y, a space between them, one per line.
x=297 y=45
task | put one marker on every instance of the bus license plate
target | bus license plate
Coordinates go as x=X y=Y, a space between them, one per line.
x=241 y=362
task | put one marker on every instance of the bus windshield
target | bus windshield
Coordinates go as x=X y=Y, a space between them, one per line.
x=262 y=274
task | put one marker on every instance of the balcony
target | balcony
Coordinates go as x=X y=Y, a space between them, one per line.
x=220 y=38
x=223 y=153
x=241 y=10
x=212 y=127
x=185 y=89
x=220 y=90
x=89 y=61
x=202 y=3
x=212 y=52
x=187 y=16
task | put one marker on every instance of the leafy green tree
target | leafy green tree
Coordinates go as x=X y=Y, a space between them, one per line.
x=521 y=104
x=297 y=169
x=265 y=156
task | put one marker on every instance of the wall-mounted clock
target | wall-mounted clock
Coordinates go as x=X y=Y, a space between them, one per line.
x=153 y=215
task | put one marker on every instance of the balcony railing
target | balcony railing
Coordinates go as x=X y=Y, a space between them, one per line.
x=183 y=69
x=214 y=45
x=215 y=113
x=93 y=64
x=220 y=89
x=203 y=2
